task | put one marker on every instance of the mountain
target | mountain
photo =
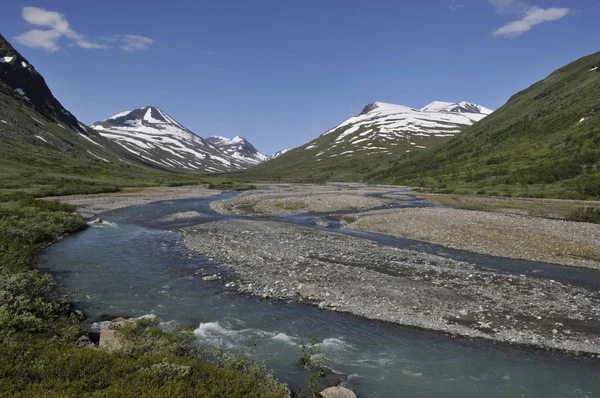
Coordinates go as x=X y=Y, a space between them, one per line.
x=30 y=114
x=238 y=148
x=380 y=130
x=279 y=153
x=153 y=136
x=545 y=141
x=387 y=128
x=45 y=150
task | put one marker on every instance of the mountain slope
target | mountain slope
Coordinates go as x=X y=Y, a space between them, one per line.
x=238 y=148
x=379 y=131
x=153 y=136
x=31 y=114
x=545 y=141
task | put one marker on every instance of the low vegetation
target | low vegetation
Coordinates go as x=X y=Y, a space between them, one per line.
x=38 y=329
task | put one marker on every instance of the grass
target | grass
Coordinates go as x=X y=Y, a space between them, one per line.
x=38 y=356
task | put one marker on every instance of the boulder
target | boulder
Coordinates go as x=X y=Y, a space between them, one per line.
x=308 y=291
x=335 y=379
x=119 y=323
x=336 y=392
x=84 y=341
x=80 y=315
x=109 y=340
x=211 y=278
x=97 y=221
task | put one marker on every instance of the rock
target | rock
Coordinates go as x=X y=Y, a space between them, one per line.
x=109 y=340
x=336 y=392
x=84 y=341
x=80 y=315
x=211 y=278
x=307 y=291
x=322 y=223
x=118 y=323
x=97 y=221
x=335 y=379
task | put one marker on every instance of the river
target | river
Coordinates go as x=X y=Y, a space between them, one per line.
x=134 y=265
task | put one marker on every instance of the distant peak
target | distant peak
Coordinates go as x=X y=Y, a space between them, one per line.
x=456 y=107
x=384 y=106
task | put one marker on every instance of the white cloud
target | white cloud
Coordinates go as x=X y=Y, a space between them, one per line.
x=44 y=39
x=135 y=42
x=531 y=17
x=58 y=27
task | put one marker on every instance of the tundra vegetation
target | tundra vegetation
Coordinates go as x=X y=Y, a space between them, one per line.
x=38 y=329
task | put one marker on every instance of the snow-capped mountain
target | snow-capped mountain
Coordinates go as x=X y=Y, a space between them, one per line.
x=458 y=107
x=279 y=153
x=238 y=148
x=390 y=128
x=156 y=138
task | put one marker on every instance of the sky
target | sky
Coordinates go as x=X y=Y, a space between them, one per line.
x=282 y=72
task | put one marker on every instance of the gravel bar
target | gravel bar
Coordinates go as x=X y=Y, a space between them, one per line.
x=497 y=234
x=357 y=276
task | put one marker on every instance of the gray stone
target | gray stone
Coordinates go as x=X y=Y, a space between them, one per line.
x=109 y=340
x=308 y=291
x=336 y=392
x=211 y=278
x=84 y=341
x=80 y=315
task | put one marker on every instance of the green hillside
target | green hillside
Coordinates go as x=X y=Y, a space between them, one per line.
x=545 y=141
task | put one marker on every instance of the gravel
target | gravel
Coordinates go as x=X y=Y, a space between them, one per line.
x=497 y=234
x=304 y=198
x=342 y=273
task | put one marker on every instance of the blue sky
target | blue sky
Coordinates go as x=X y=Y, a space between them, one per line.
x=282 y=72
